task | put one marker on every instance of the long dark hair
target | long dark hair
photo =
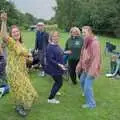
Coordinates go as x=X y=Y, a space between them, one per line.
x=10 y=32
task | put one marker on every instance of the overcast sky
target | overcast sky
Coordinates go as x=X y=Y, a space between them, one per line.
x=39 y=8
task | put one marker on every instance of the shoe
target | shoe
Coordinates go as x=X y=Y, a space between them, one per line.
x=20 y=110
x=42 y=73
x=87 y=106
x=58 y=93
x=109 y=75
x=54 y=101
x=1 y=92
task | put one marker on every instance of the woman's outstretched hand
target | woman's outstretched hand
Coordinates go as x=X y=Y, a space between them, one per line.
x=3 y=16
x=62 y=66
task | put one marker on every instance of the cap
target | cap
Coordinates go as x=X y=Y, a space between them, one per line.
x=40 y=23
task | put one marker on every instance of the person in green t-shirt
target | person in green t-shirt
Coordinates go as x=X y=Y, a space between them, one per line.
x=73 y=48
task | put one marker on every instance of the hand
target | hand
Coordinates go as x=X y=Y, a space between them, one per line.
x=68 y=52
x=36 y=50
x=29 y=55
x=3 y=16
x=62 y=66
x=29 y=59
x=78 y=69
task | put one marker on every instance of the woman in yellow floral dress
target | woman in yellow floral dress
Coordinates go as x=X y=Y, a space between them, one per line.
x=21 y=88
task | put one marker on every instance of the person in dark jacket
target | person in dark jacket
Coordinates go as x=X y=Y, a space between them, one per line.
x=4 y=87
x=55 y=66
x=41 y=43
x=73 y=48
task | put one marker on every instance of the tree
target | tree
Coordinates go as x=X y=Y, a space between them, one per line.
x=15 y=16
x=102 y=15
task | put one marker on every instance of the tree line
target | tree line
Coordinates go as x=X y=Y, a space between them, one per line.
x=102 y=15
x=17 y=17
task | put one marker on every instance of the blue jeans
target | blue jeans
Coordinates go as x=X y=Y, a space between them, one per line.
x=86 y=82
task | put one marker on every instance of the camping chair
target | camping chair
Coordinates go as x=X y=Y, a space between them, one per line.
x=115 y=70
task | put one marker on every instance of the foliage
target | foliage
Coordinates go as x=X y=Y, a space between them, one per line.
x=102 y=15
x=15 y=16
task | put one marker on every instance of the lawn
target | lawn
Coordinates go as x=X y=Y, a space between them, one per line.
x=107 y=94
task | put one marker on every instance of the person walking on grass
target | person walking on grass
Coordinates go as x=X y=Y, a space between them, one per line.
x=90 y=63
x=55 y=65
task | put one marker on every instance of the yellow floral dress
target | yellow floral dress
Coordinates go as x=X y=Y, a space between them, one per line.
x=18 y=78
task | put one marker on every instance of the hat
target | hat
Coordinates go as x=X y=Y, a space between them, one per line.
x=40 y=23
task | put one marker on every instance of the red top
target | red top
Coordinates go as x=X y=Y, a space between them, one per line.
x=90 y=59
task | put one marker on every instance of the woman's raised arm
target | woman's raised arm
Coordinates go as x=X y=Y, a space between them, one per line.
x=4 y=33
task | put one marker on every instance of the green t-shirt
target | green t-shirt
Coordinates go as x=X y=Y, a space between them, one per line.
x=75 y=45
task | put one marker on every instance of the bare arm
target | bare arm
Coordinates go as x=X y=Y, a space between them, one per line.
x=4 y=33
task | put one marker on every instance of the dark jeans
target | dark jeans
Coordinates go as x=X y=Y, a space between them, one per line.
x=42 y=58
x=72 y=68
x=56 y=86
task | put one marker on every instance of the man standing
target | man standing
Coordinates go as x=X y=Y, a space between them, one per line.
x=41 y=44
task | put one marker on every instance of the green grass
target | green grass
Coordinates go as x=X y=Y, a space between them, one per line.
x=107 y=94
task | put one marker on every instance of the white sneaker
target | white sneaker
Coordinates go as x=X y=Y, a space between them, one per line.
x=85 y=106
x=109 y=75
x=1 y=92
x=88 y=106
x=42 y=74
x=54 y=101
x=58 y=93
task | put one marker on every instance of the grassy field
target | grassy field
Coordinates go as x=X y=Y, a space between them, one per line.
x=107 y=94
